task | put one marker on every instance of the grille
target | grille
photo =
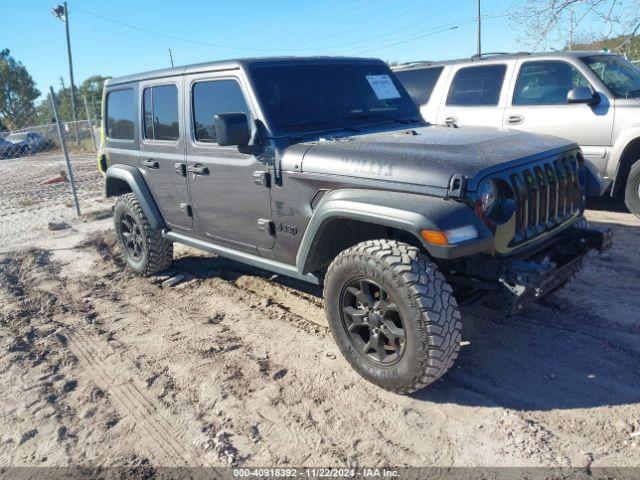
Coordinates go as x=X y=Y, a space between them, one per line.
x=547 y=194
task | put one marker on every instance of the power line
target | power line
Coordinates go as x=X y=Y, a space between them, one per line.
x=429 y=34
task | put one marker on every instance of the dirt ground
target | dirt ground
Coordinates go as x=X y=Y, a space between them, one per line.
x=237 y=367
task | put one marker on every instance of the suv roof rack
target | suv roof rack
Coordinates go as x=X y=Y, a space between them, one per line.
x=492 y=54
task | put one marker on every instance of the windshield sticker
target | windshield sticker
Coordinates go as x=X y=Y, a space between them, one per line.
x=383 y=86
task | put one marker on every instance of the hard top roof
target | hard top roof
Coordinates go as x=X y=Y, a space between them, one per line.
x=496 y=57
x=234 y=65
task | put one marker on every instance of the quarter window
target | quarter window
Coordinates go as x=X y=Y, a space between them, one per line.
x=546 y=83
x=120 y=114
x=212 y=98
x=160 y=106
x=477 y=86
x=419 y=82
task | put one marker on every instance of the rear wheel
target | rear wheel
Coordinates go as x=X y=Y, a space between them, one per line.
x=144 y=248
x=632 y=191
x=392 y=314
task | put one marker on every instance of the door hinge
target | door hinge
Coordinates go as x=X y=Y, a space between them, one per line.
x=266 y=226
x=186 y=208
x=180 y=169
x=262 y=178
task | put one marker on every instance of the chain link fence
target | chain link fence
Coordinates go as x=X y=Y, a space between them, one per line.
x=35 y=177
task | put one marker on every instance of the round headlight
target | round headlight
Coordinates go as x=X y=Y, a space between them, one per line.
x=488 y=196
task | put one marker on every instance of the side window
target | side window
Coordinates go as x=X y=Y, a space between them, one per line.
x=160 y=113
x=420 y=82
x=212 y=98
x=120 y=114
x=477 y=86
x=546 y=83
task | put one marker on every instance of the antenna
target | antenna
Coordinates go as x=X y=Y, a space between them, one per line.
x=171 y=57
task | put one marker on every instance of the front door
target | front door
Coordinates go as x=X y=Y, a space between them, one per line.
x=230 y=206
x=162 y=149
x=539 y=105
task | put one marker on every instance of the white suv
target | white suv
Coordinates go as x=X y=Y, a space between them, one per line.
x=592 y=98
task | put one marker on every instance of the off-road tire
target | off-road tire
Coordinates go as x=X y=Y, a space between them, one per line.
x=157 y=252
x=632 y=190
x=429 y=312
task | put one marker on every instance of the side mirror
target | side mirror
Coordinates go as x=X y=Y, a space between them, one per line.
x=232 y=129
x=583 y=95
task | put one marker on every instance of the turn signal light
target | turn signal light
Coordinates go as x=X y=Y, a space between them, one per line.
x=434 y=237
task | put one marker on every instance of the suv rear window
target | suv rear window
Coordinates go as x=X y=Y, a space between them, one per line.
x=419 y=82
x=212 y=98
x=477 y=86
x=160 y=106
x=120 y=114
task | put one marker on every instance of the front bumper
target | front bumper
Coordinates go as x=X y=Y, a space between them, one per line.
x=526 y=280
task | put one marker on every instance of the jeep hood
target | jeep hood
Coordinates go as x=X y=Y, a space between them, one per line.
x=427 y=155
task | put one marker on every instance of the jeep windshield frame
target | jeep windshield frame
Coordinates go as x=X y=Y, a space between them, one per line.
x=300 y=99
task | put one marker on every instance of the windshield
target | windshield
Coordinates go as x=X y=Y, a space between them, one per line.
x=324 y=97
x=17 y=137
x=621 y=76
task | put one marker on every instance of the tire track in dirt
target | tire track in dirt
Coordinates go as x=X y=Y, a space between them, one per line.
x=117 y=377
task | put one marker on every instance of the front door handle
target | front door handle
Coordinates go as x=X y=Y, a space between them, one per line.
x=151 y=163
x=515 y=119
x=451 y=120
x=198 y=169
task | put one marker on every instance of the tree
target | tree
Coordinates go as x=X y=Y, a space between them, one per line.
x=546 y=22
x=91 y=89
x=17 y=92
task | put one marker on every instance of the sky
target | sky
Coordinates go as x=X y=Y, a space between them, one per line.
x=118 y=37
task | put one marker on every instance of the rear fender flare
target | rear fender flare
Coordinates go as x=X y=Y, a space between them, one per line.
x=116 y=174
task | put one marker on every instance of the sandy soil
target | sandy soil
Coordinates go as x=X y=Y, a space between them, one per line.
x=237 y=367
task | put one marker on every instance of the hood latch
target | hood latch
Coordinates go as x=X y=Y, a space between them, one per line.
x=457 y=186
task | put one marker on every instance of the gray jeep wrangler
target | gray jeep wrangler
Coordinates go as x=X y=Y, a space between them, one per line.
x=322 y=169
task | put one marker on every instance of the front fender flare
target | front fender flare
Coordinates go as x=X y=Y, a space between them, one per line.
x=630 y=134
x=411 y=213
x=136 y=182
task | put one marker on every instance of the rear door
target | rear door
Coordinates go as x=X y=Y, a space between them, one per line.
x=230 y=204
x=475 y=95
x=162 y=149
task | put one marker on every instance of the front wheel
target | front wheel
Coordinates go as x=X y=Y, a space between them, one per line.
x=632 y=191
x=392 y=314
x=144 y=248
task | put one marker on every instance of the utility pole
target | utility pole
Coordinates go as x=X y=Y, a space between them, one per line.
x=479 y=32
x=570 y=30
x=171 y=57
x=62 y=13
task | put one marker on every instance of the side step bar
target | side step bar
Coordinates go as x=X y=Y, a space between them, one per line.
x=243 y=257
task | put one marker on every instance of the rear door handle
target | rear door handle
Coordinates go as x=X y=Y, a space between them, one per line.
x=151 y=163
x=198 y=169
x=515 y=119
x=451 y=120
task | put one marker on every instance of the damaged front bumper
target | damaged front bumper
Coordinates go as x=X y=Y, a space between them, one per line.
x=526 y=280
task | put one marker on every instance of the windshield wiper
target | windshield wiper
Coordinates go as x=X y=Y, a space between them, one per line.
x=364 y=115
x=633 y=93
x=317 y=123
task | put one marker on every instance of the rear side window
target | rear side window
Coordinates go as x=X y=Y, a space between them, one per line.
x=419 y=82
x=546 y=83
x=212 y=98
x=477 y=86
x=160 y=107
x=120 y=114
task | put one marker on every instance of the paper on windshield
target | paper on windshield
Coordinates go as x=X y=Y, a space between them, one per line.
x=383 y=86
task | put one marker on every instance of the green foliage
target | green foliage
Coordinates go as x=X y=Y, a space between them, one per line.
x=629 y=46
x=17 y=93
